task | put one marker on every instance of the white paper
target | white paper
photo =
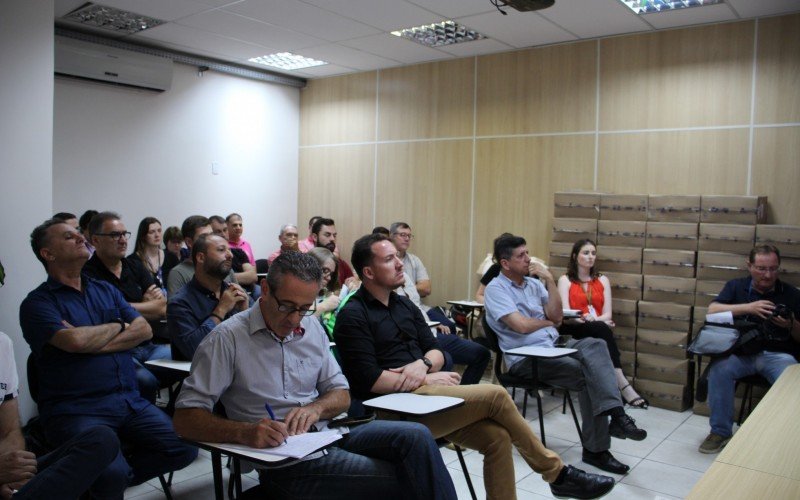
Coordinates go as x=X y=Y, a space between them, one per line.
x=417 y=404
x=725 y=318
x=295 y=447
x=343 y=292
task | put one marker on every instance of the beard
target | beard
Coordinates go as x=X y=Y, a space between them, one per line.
x=330 y=246
x=219 y=271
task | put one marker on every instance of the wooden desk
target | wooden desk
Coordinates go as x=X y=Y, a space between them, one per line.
x=763 y=458
x=472 y=306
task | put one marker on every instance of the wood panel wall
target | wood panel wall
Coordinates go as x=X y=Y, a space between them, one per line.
x=463 y=150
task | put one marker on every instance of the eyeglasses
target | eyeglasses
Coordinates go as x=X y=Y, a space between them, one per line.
x=405 y=236
x=287 y=310
x=326 y=271
x=116 y=235
x=762 y=269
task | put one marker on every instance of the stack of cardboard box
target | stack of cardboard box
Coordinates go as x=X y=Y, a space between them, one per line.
x=667 y=257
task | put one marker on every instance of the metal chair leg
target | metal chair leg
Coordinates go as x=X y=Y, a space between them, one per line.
x=165 y=486
x=525 y=404
x=568 y=396
x=466 y=472
x=541 y=417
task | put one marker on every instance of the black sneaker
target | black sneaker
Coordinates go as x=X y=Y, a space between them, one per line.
x=623 y=427
x=576 y=483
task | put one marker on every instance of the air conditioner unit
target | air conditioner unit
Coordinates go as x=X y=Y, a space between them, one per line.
x=89 y=61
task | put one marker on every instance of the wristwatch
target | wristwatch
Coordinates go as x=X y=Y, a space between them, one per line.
x=427 y=363
x=121 y=324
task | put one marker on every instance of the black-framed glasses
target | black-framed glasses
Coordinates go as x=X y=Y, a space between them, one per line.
x=405 y=236
x=116 y=235
x=287 y=309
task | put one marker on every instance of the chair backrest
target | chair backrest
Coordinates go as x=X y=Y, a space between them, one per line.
x=33 y=378
x=262 y=266
x=494 y=345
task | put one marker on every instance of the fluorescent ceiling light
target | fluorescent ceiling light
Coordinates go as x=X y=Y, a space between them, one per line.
x=438 y=34
x=287 y=60
x=651 y=6
x=109 y=18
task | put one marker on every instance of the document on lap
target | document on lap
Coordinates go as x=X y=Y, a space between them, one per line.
x=295 y=447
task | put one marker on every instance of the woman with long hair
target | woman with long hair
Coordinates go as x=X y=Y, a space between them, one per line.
x=583 y=288
x=149 y=251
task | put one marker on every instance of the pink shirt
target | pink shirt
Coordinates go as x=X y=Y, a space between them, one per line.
x=245 y=246
x=306 y=245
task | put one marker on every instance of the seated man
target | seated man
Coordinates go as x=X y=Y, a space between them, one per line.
x=277 y=353
x=324 y=234
x=463 y=352
x=207 y=300
x=775 y=306
x=288 y=237
x=129 y=276
x=66 y=472
x=81 y=331
x=192 y=228
x=245 y=273
x=386 y=347
x=524 y=312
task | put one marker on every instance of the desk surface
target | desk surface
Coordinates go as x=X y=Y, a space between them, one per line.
x=541 y=352
x=181 y=366
x=762 y=459
x=466 y=303
x=413 y=404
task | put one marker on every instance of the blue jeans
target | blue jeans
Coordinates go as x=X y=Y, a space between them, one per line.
x=70 y=470
x=722 y=378
x=147 y=378
x=381 y=459
x=150 y=447
x=461 y=351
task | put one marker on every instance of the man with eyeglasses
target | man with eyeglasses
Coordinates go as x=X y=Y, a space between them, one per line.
x=288 y=236
x=275 y=355
x=774 y=305
x=129 y=276
x=81 y=331
x=207 y=300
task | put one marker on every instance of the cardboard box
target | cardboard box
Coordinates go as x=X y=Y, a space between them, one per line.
x=662 y=342
x=663 y=262
x=664 y=316
x=669 y=289
x=733 y=209
x=628 y=361
x=621 y=233
x=705 y=291
x=790 y=271
x=576 y=205
x=623 y=207
x=619 y=259
x=673 y=208
x=662 y=368
x=559 y=254
x=786 y=238
x=625 y=337
x=730 y=238
x=663 y=394
x=672 y=235
x=625 y=285
x=720 y=266
x=572 y=230
x=624 y=312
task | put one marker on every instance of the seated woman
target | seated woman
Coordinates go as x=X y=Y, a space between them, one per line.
x=584 y=289
x=328 y=298
x=149 y=252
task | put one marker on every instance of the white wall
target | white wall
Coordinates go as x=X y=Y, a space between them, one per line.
x=26 y=142
x=142 y=153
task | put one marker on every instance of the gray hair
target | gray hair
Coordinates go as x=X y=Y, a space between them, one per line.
x=285 y=227
x=302 y=266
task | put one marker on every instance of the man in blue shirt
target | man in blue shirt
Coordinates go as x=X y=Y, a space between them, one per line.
x=523 y=312
x=207 y=300
x=756 y=298
x=81 y=331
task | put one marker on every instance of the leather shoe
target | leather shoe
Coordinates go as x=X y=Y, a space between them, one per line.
x=624 y=426
x=576 y=483
x=604 y=460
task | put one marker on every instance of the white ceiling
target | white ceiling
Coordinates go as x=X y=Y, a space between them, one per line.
x=353 y=35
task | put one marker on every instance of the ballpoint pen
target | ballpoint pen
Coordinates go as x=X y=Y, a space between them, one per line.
x=271 y=414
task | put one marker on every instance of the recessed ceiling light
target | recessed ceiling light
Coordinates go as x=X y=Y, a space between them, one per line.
x=438 y=34
x=109 y=18
x=652 y=6
x=287 y=60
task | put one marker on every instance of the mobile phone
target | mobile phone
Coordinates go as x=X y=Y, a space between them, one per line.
x=351 y=421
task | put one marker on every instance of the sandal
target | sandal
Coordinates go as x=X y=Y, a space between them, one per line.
x=640 y=402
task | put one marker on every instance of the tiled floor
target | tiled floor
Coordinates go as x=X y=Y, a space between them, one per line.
x=666 y=465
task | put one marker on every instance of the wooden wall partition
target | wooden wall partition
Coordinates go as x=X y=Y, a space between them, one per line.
x=466 y=149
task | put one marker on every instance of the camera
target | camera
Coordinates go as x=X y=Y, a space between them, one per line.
x=782 y=311
x=772 y=331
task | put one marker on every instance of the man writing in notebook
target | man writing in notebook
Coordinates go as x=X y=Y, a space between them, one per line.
x=275 y=357
x=387 y=347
